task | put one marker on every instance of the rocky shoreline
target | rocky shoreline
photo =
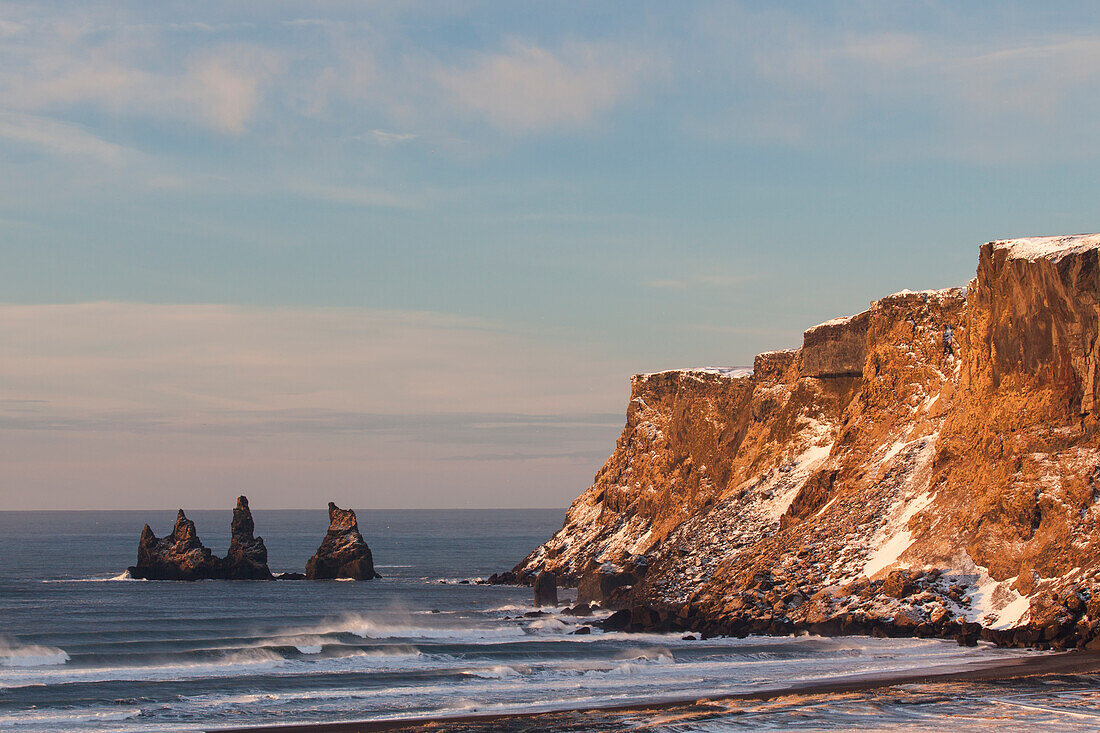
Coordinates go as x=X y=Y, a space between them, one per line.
x=929 y=467
x=182 y=556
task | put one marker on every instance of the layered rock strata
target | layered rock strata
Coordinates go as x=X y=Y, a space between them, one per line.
x=927 y=467
x=343 y=552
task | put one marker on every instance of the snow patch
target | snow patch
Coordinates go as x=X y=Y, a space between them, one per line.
x=732 y=372
x=1051 y=248
x=896 y=537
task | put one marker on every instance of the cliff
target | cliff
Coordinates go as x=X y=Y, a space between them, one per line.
x=928 y=466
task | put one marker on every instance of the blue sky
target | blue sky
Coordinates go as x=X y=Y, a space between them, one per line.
x=518 y=203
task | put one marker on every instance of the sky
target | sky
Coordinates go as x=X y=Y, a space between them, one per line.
x=408 y=254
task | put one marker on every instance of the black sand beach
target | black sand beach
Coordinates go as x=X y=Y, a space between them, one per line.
x=682 y=711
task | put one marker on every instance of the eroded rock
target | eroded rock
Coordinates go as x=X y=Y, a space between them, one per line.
x=343 y=552
x=546 y=589
x=876 y=461
x=247 y=557
x=182 y=556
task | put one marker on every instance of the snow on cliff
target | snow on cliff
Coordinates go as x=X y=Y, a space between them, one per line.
x=926 y=463
x=1052 y=248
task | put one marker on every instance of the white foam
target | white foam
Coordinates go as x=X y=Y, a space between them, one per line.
x=14 y=654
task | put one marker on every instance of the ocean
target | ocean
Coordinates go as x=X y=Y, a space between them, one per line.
x=84 y=649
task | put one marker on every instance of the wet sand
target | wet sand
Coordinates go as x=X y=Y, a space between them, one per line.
x=610 y=717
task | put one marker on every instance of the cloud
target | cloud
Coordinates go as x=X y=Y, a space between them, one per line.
x=58 y=137
x=128 y=71
x=695 y=282
x=105 y=402
x=384 y=137
x=951 y=86
x=529 y=88
x=354 y=195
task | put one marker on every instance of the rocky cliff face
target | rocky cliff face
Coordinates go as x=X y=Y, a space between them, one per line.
x=928 y=466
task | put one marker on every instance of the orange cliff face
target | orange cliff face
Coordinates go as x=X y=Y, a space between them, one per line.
x=921 y=467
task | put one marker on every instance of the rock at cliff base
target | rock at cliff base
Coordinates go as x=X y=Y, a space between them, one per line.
x=546 y=589
x=343 y=552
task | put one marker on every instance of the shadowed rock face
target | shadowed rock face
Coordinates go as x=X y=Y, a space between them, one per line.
x=182 y=556
x=546 y=589
x=343 y=552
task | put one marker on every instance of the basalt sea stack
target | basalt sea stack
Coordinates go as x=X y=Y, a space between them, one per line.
x=343 y=552
x=182 y=556
x=247 y=558
x=928 y=467
x=179 y=556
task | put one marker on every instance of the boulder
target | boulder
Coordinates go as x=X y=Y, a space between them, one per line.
x=602 y=581
x=546 y=589
x=247 y=558
x=179 y=556
x=616 y=621
x=343 y=552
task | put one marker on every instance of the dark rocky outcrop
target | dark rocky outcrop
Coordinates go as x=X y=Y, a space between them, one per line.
x=182 y=556
x=546 y=589
x=343 y=552
x=247 y=558
x=608 y=584
x=179 y=556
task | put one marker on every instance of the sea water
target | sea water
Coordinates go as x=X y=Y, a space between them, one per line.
x=84 y=648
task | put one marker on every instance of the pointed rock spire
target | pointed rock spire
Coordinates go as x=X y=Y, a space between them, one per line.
x=343 y=552
x=182 y=556
x=247 y=557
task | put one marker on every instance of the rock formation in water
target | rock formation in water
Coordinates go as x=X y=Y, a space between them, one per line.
x=179 y=556
x=182 y=556
x=343 y=552
x=546 y=589
x=928 y=467
x=247 y=558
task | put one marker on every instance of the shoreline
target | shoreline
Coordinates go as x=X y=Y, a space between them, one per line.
x=1042 y=663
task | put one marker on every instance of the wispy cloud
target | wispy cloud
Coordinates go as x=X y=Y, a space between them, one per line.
x=700 y=281
x=58 y=137
x=356 y=195
x=382 y=391
x=952 y=87
x=529 y=88
x=386 y=137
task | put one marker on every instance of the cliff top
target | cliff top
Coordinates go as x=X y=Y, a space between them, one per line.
x=1053 y=248
x=927 y=295
x=733 y=372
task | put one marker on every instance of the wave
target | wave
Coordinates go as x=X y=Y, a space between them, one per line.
x=406 y=626
x=14 y=654
x=123 y=576
x=28 y=720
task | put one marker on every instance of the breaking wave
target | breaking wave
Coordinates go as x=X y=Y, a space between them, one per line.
x=13 y=654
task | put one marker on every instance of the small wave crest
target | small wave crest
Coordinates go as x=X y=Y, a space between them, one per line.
x=402 y=626
x=14 y=654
